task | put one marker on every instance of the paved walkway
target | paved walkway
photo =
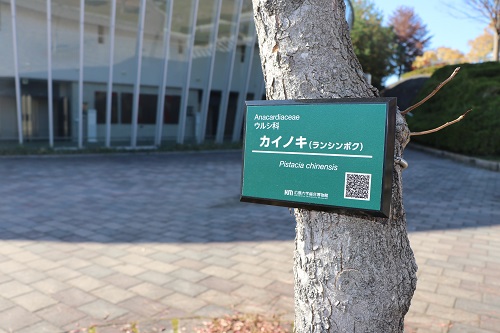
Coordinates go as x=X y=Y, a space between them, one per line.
x=113 y=239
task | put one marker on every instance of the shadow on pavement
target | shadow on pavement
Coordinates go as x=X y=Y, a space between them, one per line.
x=173 y=198
x=194 y=197
x=443 y=194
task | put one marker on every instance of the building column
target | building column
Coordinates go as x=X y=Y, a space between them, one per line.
x=109 y=96
x=208 y=88
x=49 y=74
x=219 y=138
x=80 y=76
x=137 y=84
x=240 y=110
x=169 y=6
x=16 y=73
x=185 y=90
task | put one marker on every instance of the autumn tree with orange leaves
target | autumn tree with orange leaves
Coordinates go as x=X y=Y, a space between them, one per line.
x=480 y=51
x=412 y=37
x=487 y=11
x=439 y=57
x=481 y=47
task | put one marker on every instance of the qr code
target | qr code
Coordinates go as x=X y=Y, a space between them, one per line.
x=357 y=186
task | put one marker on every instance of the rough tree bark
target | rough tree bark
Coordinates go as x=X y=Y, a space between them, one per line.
x=353 y=273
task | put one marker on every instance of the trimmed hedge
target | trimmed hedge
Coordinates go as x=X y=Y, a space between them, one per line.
x=477 y=87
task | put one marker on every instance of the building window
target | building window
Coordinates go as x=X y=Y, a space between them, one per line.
x=172 y=109
x=147 y=108
x=100 y=34
x=148 y=104
x=100 y=106
x=127 y=100
x=243 y=50
x=232 y=107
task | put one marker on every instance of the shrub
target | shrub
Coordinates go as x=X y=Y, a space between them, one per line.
x=477 y=87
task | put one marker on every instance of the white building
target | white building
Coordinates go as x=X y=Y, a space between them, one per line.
x=80 y=72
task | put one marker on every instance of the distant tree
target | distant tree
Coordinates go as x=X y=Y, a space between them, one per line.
x=449 y=56
x=487 y=11
x=481 y=48
x=439 y=57
x=428 y=59
x=373 y=43
x=412 y=37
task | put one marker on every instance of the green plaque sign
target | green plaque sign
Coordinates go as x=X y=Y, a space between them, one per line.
x=320 y=154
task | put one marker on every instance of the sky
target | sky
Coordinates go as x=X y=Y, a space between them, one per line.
x=445 y=28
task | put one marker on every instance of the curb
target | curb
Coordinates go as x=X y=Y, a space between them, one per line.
x=128 y=152
x=484 y=164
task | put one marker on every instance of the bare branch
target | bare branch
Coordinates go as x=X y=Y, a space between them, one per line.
x=442 y=126
x=483 y=7
x=477 y=10
x=461 y=14
x=413 y=107
x=488 y=9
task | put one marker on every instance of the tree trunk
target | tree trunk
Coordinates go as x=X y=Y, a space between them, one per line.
x=496 y=29
x=353 y=273
x=496 y=36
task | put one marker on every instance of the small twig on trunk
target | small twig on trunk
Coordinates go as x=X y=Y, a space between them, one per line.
x=442 y=126
x=413 y=107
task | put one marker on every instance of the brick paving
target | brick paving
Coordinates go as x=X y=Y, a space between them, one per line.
x=109 y=240
x=453 y=214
